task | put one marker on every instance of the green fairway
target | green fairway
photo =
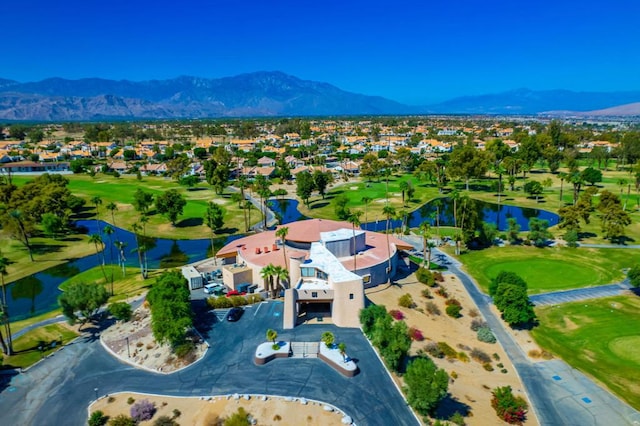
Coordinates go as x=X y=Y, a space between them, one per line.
x=36 y=344
x=131 y=284
x=549 y=269
x=599 y=337
x=121 y=191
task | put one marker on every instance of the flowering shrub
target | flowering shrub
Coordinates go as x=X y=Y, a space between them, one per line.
x=143 y=410
x=512 y=409
x=415 y=334
x=396 y=314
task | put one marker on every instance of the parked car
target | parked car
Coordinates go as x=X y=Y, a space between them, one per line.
x=234 y=314
x=215 y=289
x=236 y=293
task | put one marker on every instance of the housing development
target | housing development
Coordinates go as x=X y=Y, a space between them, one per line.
x=370 y=270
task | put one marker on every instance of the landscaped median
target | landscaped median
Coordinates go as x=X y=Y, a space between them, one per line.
x=332 y=355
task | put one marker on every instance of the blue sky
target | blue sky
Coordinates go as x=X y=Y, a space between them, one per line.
x=415 y=52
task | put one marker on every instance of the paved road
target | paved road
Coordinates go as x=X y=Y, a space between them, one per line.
x=555 y=402
x=58 y=390
x=575 y=295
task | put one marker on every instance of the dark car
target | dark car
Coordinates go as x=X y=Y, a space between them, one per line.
x=234 y=314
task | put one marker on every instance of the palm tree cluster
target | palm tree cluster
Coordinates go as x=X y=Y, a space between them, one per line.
x=274 y=272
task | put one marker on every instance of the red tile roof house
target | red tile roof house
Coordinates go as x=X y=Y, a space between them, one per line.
x=329 y=266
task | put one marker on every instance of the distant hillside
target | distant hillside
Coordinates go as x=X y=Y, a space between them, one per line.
x=628 y=110
x=255 y=94
x=526 y=102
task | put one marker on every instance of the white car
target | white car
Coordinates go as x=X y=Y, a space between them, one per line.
x=215 y=289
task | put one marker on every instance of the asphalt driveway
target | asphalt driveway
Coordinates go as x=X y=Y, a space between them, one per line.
x=58 y=391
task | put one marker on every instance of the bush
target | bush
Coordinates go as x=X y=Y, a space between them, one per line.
x=634 y=276
x=477 y=324
x=176 y=413
x=130 y=400
x=121 y=311
x=425 y=276
x=434 y=350
x=462 y=356
x=432 y=308
x=238 y=301
x=239 y=418
x=486 y=335
x=415 y=334
x=454 y=311
x=457 y=419
x=165 y=421
x=512 y=409
x=487 y=366
x=480 y=356
x=426 y=293
x=143 y=410
x=98 y=418
x=447 y=350
x=254 y=298
x=406 y=301
x=396 y=314
x=220 y=302
x=437 y=275
x=452 y=301
x=122 y=420
x=183 y=350
x=474 y=313
x=442 y=292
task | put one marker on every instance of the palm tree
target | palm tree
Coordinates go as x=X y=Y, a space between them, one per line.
x=8 y=346
x=112 y=207
x=108 y=231
x=354 y=220
x=562 y=177
x=267 y=275
x=366 y=200
x=272 y=335
x=389 y=212
x=96 y=239
x=425 y=229
x=622 y=183
x=404 y=187
x=143 y=221
x=136 y=229
x=242 y=184
x=281 y=275
x=282 y=233
x=121 y=245
x=455 y=195
x=23 y=228
x=97 y=201
x=327 y=338
x=342 y=347
x=438 y=205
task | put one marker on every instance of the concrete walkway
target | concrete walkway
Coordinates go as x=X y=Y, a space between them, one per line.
x=578 y=294
x=573 y=399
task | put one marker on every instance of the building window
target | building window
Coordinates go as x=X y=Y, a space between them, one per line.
x=308 y=272
x=366 y=279
x=350 y=296
x=322 y=275
x=314 y=294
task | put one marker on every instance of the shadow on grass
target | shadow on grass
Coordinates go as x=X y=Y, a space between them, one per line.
x=227 y=231
x=319 y=205
x=46 y=248
x=191 y=221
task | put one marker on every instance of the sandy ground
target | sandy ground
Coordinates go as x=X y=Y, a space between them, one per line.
x=473 y=384
x=142 y=349
x=198 y=411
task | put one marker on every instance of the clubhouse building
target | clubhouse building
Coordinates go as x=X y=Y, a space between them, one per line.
x=329 y=264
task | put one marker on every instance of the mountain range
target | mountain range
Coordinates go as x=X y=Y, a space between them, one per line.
x=268 y=94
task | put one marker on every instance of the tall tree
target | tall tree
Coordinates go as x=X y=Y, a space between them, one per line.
x=281 y=275
x=142 y=201
x=304 y=186
x=267 y=273
x=282 y=233
x=171 y=204
x=366 y=201
x=83 y=298
x=320 y=181
x=5 y=318
x=262 y=185
x=467 y=162
x=20 y=227
x=425 y=230
x=388 y=212
x=354 y=220
x=108 y=231
x=214 y=219
x=242 y=185
x=426 y=385
x=97 y=201
x=96 y=240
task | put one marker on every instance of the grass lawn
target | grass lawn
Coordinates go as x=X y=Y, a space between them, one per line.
x=126 y=286
x=357 y=189
x=19 y=325
x=121 y=191
x=26 y=347
x=548 y=269
x=599 y=337
x=47 y=253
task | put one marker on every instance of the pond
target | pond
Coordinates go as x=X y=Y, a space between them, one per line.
x=286 y=210
x=497 y=214
x=38 y=293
